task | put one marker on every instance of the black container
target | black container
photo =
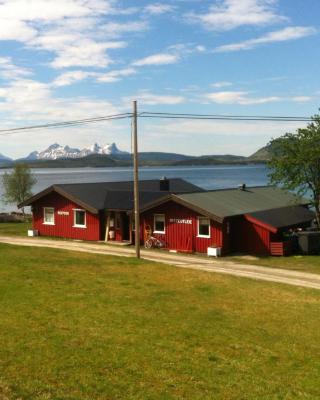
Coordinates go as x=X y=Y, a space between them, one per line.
x=309 y=242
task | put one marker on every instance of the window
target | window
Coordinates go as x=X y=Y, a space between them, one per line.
x=203 y=227
x=159 y=223
x=79 y=218
x=48 y=216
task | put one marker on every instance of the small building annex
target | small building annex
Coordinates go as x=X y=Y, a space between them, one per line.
x=184 y=217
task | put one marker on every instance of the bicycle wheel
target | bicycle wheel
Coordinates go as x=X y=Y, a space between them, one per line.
x=148 y=244
x=159 y=244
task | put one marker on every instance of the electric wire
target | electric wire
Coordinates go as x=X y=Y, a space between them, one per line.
x=224 y=117
x=65 y=123
x=157 y=115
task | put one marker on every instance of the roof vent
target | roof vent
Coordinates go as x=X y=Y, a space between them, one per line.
x=243 y=186
x=164 y=184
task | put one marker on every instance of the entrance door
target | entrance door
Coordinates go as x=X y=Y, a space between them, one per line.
x=125 y=227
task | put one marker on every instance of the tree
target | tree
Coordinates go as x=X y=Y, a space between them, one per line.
x=18 y=184
x=295 y=162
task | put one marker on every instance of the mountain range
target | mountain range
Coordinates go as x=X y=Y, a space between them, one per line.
x=109 y=155
x=56 y=151
x=4 y=158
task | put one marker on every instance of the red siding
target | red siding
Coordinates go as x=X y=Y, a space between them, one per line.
x=247 y=237
x=182 y=236
x=64 y=223
x=281 y=248
x=234 y=235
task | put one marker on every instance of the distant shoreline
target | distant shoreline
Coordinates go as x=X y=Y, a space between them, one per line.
x=55 y=164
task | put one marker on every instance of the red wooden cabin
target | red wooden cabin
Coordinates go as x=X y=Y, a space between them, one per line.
x=96 y=211
x=246 y=220
x=184 y=217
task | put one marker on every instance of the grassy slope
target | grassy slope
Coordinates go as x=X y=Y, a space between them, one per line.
x=15 y=229
x=295 y=263
x=78 y=326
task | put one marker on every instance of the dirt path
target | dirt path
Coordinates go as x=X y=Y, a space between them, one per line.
x=295 y=278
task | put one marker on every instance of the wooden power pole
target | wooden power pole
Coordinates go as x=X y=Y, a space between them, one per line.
x=136 y=179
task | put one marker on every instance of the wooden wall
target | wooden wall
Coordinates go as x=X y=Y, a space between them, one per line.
x=64 y=223
x=246 y=237
x=182 y=236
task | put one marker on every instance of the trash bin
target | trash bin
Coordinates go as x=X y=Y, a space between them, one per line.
x=309 y=242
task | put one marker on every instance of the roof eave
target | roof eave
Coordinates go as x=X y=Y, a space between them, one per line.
x=199 y=210
x=155 y=203
x=57 y=189
x=262 y=224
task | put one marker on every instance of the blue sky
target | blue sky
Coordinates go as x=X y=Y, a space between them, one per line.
x=70 y=59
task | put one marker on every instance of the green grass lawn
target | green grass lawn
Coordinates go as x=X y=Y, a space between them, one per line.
x=15 y=228
x=298 y=263
x=77 y=326
x=294 y=263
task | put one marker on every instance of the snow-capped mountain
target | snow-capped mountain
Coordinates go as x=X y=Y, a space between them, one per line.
x=56 y=151
x=4 y=158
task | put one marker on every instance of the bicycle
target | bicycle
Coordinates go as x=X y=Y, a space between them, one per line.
x=153 y=242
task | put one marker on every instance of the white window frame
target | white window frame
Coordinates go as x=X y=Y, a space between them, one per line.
x=164 y=223
x=198 y=227
x=44 y=216
x=74 y=218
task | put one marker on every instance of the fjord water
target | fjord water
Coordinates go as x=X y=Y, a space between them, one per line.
x=207 y=177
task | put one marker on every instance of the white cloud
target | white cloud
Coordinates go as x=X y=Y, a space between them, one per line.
x=116 y=75
x=187 y=128
x=183 y=49
x=150 y=99
x=283 y=35
x=10 y=71
x=70 y=77
x=114 y=29
x=86 y=53
x=27 y=101
x=213 y=137
x=225 y=15
x=159 y=8
x=234 y=97
x=244 y=98
x=301 y=99
x=200 y=48
x=157 y=59
x=73 y=30
x=172 y=55
x=221 y=84
x=16 y=30
x=52 y=10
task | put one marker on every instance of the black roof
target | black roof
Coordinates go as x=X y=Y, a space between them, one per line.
x=224 y=203
x=285 y=217
x=114 y=195
x=227 y=203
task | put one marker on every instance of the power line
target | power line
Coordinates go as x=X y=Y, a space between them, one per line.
x=66 y=123
x=159 y=115
x=163 y=115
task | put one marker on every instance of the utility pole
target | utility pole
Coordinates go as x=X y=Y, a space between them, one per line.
x=136 y=179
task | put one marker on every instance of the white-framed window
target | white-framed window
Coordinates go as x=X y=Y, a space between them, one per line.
x=203 y=227
x=159 y=223
x=48 y=215
x=79 y=218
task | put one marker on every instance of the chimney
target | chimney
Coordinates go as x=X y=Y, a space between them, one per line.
x=243 y=187
x=164 y=184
